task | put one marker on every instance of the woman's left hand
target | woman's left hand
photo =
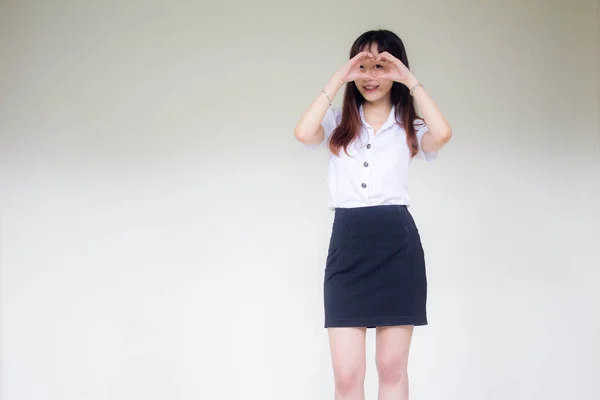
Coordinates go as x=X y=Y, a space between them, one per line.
x=395 y=70
x=439 y=130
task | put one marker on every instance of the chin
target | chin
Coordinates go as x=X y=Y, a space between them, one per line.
x=373 y=97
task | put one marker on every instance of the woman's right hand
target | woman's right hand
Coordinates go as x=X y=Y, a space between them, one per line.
x=352 y=70
x=309 y=129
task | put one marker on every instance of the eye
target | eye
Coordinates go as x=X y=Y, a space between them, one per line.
x=379 y=66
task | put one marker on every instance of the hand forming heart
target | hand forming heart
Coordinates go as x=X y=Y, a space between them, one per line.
x=394 y=69
x=352 y=70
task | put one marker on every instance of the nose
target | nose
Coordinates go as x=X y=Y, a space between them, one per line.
x=372 y=72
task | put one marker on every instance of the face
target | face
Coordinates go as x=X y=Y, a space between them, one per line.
x=374 y=88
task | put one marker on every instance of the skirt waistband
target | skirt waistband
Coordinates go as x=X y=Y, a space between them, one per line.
x=382 y=208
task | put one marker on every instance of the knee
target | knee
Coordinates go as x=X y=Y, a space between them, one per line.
x=391 y=370
x=349 y=379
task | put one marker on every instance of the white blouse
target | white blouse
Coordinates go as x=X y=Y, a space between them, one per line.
x=376 y=172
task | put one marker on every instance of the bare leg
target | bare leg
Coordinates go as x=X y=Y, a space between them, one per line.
x=391 y=357
x=349 y=362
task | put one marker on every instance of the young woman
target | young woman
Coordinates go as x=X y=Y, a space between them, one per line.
x=375 y=270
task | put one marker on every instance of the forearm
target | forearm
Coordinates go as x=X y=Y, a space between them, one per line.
x=307 y=128
x=435 y=120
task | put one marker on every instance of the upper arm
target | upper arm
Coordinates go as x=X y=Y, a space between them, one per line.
x=317 y=138
x=428 y=145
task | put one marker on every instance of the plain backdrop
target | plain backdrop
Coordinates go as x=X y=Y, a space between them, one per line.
x=163 y=235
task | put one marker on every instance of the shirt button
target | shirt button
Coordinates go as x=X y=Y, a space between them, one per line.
x=364 y=185
x=369 y=146
x=366 y=164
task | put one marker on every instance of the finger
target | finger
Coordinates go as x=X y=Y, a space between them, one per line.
x=360 y=76
x=361 y=56
x=385 y=56
x=368 y=54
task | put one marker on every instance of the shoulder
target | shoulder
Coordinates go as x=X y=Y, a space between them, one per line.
x=335 y=113
x=419 y=123
x=420 y=127
x=332 y=119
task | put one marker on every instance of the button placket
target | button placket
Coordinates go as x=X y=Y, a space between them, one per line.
x=366 y=162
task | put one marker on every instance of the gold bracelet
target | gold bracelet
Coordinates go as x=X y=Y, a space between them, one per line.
x=414 y=87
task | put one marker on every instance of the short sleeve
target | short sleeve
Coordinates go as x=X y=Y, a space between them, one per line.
x=331 y=120
x=421 y=129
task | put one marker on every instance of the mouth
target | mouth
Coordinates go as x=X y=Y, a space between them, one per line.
x=370 y=88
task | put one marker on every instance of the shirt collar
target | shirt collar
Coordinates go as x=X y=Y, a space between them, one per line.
x=390 y=121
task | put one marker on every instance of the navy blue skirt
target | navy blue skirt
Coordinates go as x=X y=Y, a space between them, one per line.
x=375 y=272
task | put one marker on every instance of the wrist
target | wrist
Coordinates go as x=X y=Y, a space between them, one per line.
x=341 y=76
x=411 y=82
x=335 y=84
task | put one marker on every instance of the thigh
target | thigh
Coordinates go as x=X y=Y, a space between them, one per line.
x=392 y=345
x=347 y=347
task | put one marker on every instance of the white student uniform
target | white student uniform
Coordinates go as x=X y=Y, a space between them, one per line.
x=376 y=170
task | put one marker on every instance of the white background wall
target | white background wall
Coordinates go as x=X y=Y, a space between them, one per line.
x=164 y=236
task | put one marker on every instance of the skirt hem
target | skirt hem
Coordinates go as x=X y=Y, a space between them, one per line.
x=375 y=322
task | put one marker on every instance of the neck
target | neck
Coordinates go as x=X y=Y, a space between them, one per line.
x=381 y=106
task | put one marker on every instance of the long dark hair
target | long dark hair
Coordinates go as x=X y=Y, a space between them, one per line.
x=349 y=127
